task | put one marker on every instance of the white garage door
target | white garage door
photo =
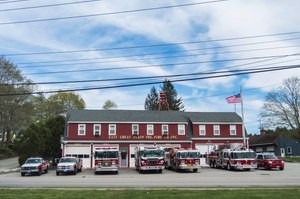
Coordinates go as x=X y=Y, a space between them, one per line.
x=83 y=152
x=204 y=150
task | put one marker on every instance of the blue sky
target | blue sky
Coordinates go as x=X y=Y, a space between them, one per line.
x=210 y=22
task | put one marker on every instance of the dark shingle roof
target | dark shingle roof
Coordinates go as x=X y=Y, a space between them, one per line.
x=263 y=139
x=151 y=116
x=214 y=117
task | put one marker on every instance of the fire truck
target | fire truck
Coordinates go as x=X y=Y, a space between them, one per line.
x=235 y=157
x=149 y=158
x=106 y=159
x=182 y=159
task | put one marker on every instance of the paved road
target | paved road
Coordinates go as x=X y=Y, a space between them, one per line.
x=130 y=178
x=8 y=164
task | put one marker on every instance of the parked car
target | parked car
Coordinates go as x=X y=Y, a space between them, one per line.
x=269 y=161
x=69 y=165
x=34 y=165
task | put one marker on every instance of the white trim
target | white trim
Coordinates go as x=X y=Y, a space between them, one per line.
x=132 y=129
x=79 y=129
x=125 y=141
x=162 y=129
x=218 y=138
x=109 y=128
x=232 y=128
x=202 y=125
x=152 y=128
x=121 y=122
x=94 y=130
x=217 y=123
x=182 y=128
x=216 y=128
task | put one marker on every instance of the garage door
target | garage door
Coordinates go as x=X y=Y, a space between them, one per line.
x=83 y=152
x=204 y=150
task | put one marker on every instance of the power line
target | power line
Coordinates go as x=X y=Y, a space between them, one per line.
x=143 y=58
x=15 y=1
x=243 y=72
x=170 y=44
x=49 y=5
x=156 y=65
x=111 y=13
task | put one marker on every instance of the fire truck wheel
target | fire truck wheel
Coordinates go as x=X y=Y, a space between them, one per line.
x=160 y=171
x=195 y=170
x=214 y=164
x=116 y=172
x=228 y=166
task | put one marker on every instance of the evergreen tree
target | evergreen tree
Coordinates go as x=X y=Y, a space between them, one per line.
x=171 y=95
x=151 y=102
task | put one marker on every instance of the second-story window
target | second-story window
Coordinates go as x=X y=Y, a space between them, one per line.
x=181 y=129
x=232 y=130
x=135 y=129
x=81 y=129
x=97 y=129
x=165 y=129
x=112 y=129
x=202 y=130
x=150 y=130
x=216 y=129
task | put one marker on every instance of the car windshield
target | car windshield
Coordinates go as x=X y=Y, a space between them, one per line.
x=241 y=155
x=152 y=153
x=270 y=156
x=106 y=154
x=189 y=154
x=67 y=160
x=33 y=161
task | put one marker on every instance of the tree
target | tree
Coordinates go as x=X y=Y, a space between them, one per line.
x=15 y=108
x=56 y=104
x=151 y=102
x=109 y=105
x=171 y=95
x=281 y=107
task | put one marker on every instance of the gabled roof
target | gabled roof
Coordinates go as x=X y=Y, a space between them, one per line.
x=263 y=139
x=221 y=117
x=151 y=116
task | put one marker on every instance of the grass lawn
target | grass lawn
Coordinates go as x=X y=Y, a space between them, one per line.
x=293 y=159
x=151 y=194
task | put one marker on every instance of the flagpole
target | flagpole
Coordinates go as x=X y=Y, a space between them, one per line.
x=243 y=124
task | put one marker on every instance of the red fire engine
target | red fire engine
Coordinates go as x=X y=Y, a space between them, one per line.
x=106 y=159
x=182 y=159
x=149 y=158
x=235 y=157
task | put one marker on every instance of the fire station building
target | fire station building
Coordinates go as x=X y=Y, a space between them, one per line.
x=87 y=129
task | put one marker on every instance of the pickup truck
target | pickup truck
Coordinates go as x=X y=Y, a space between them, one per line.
x=69 y=165
x=34 y=165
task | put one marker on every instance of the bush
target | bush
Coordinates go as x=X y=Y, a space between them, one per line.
x=5 y=152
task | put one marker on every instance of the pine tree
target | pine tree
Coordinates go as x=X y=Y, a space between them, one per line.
x=151 y=102
x=171 y=95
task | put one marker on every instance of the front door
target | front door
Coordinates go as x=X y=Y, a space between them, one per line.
x=124 y=158
x=282 y=152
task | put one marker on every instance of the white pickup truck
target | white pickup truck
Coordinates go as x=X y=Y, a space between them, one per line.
x=69 y=165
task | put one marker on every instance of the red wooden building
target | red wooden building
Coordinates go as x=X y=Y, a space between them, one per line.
x=87 y=129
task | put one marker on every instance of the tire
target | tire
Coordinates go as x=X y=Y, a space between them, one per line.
x=46 y=171
x=116 y=172
x=266 y=167
x=57 y=173
x=228 y=167
x=281 y=168
x=160 y=171
x=22 y=174
x=80 y=169
x=195 y=170
x=214 y=164
x=39 y=173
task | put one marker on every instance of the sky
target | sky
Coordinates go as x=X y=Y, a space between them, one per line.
x=64 y=40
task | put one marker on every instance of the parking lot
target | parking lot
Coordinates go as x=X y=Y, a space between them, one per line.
x=130 y=178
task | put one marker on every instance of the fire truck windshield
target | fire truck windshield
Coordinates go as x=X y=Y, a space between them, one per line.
x=241 y=155
x=106 y=154
x=189 y=154
x=152 y=153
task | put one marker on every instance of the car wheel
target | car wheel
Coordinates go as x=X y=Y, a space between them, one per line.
x=46 y=171
x=266 y=167
x=22 y=174
x=195 y=170
x=40 y=172
x=281 y=168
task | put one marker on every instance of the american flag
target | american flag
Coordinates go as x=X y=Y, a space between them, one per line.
x=234 y=99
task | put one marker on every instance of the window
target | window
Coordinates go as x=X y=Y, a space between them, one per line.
x=165 y=129
x=202 y=130
x=112 y=129
x=289 y=150
x=216 y=129
x=150 y=130
x=232 y=130
x=181 y=129
x=81 y=129
x=135 y=129
x=97 y=129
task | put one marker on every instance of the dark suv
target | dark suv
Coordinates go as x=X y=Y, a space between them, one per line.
x=269 y=161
